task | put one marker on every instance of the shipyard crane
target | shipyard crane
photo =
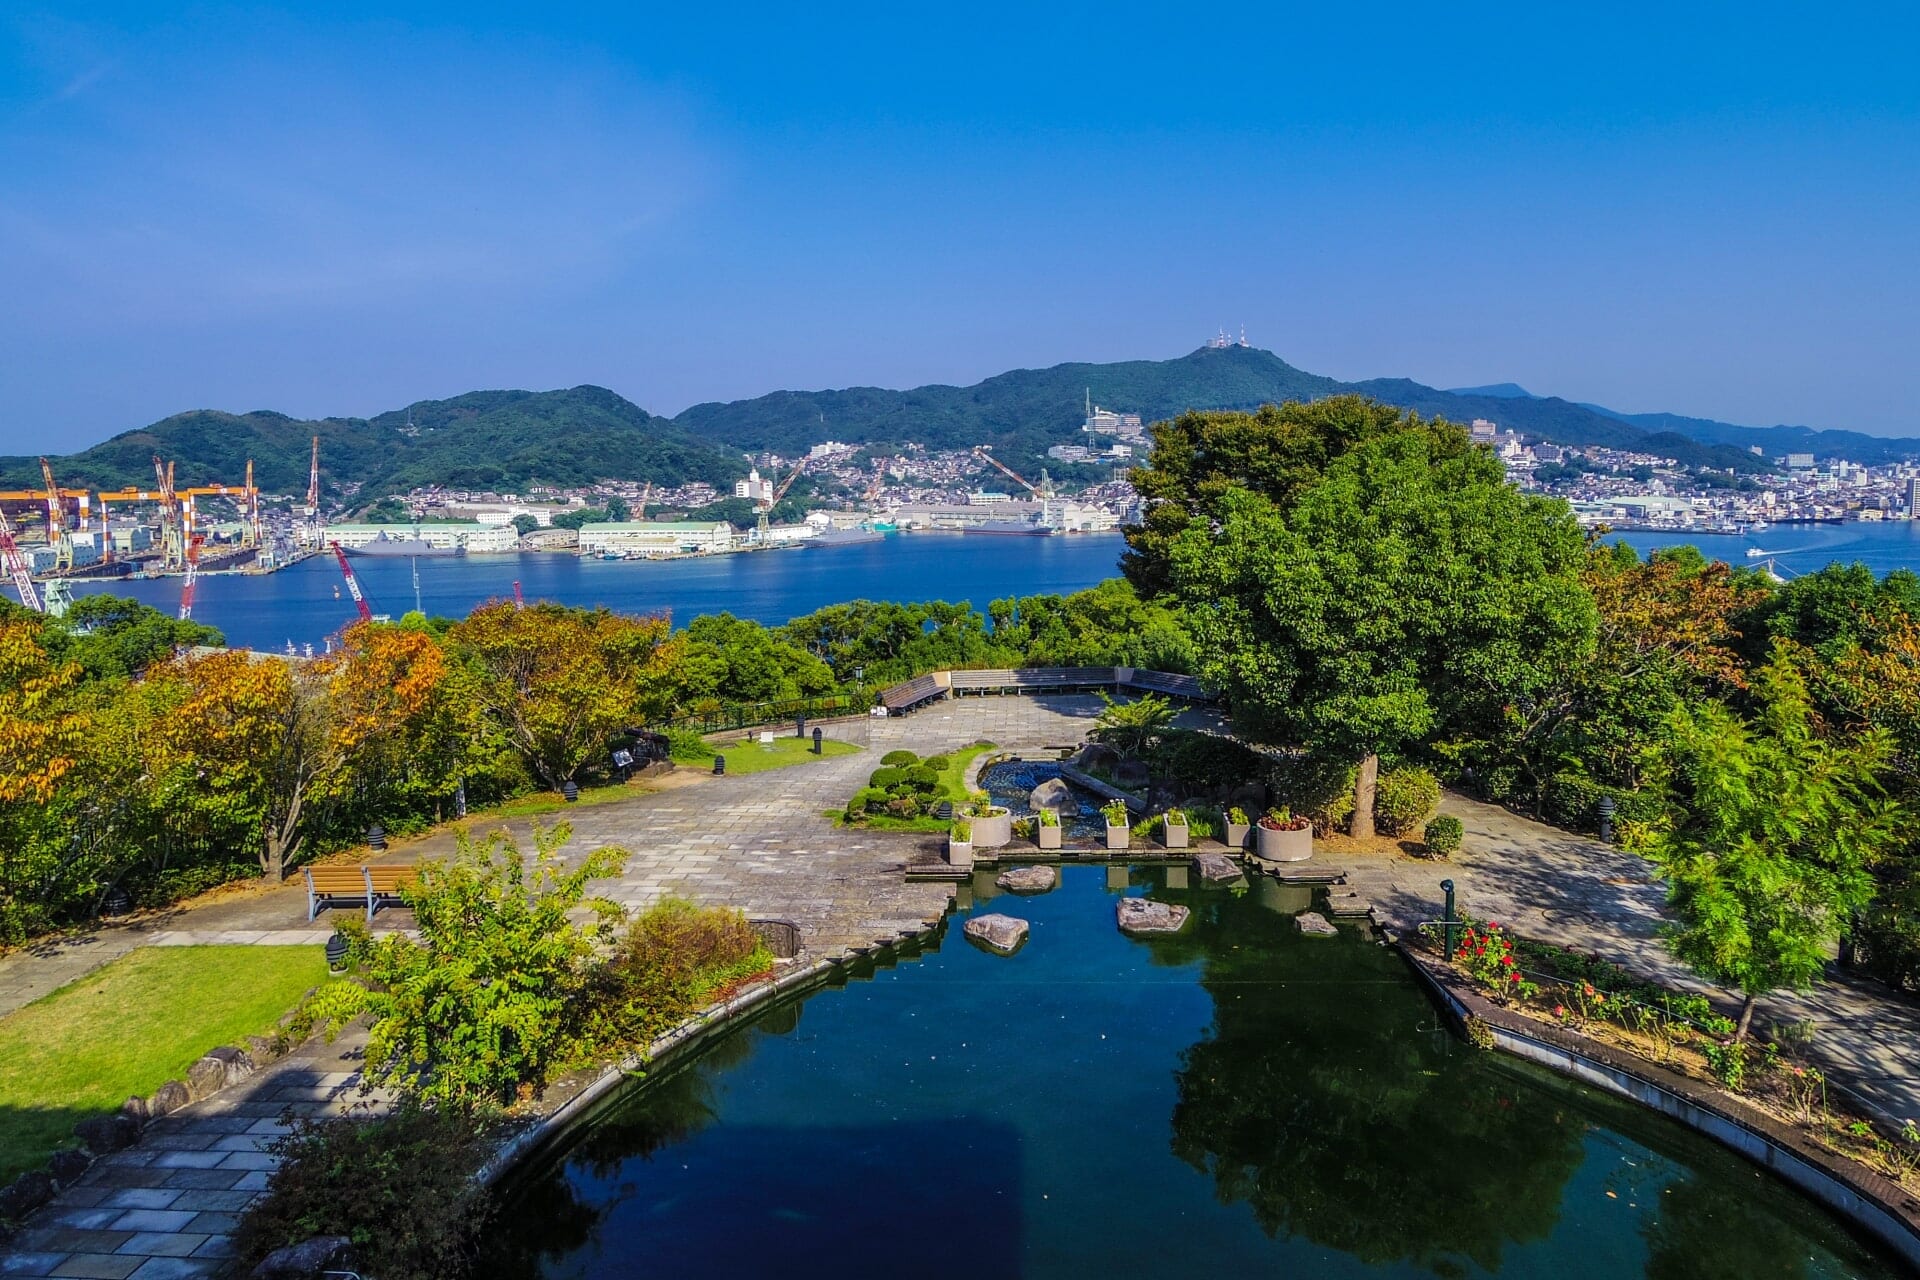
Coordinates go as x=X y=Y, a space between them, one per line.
x=193 y=576
x=353 y=583
x=107 y=499
x=879 y=480
x=313 y=495
x=1045 y=489
x=17 y=566
x=779 y=493
x=59 y=533
x=173 y=535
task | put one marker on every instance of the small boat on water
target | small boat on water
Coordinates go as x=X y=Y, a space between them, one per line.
x=384 y=547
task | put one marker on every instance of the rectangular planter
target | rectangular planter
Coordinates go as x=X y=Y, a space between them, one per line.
x=959 y=853
x=1236 y=837
x=1117 y=837
x=1175 y=836
x=1047 y=837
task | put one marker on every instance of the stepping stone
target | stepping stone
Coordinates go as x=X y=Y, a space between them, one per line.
x=1315 y=925
x=1143 y=916
x=1028 y=879
x=1215 y=868
x=997 y=933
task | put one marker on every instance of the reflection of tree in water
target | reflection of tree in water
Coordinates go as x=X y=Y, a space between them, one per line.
x=550 y=1219
x=1316 y=1100
x=1706 y=1233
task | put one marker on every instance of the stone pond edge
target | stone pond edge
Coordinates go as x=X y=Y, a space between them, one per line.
x=1876 y=1205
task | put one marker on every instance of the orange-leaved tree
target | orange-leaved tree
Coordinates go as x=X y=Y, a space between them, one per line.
x=558 y=682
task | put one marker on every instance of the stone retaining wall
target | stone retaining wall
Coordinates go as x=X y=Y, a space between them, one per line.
x=1877 y=1205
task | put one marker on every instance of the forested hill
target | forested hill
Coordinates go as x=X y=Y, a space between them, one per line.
x=1023 y=412
x=482 y=440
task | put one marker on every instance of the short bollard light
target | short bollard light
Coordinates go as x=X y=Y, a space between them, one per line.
x=799 y=726
x=719 y=765
x=117 y=902
x=570 y=791
x=817 y=748
x=460 y=799
x=337 y=953
x=1606 y=808
x=376 y=837
x=1447 y=919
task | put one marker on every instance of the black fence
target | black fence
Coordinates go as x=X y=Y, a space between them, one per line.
x=750 y=715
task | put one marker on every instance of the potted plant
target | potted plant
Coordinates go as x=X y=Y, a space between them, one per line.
x=1173 y=829
x=1234 y=819
x=960 y=844
x=1281 y=837
x=1047 y=834
x=992 y=825
x=1115 y=813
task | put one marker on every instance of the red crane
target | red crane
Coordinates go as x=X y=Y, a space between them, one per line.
x=519 y=601
x=353 y=583
x=193 y=576
x=16 y=565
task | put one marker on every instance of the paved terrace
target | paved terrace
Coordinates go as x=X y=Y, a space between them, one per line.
x=761 y=842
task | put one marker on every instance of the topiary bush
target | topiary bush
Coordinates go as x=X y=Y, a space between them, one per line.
x=866 y=800
x=887 y=778
x=1442 y=835
x=921 y=778
x=1404 y=800
x=938 y=764
x=898 y=758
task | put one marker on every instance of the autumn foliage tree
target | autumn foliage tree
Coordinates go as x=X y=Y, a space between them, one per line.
x=557 y=683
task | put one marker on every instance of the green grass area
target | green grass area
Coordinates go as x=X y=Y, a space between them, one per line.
x=757 y=757
x=129 y=1027
x=540 y=802
x=952 y=787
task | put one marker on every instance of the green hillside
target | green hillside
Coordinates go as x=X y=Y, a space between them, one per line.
x=481 y=440
x=1022 y=412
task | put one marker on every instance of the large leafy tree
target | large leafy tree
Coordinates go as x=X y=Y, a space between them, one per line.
x=1781 y=828
x=737 y=660
x=1105 y=625
x=1410 y=591
x=1200 y=459
x=557 y=683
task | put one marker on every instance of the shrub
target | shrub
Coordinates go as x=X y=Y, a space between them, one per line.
x=688 y=746
x=1115 y=812
x=921 y=778
x=1285 y=820
x=866 y=800
x=1318 y=787
x=490 y=997
x=898 y=758
x=1572 y=801
x=1404 y=800
x=1204 y=824
x=1024 y=828
x=887 y=778
x=939 y=764
x=400 y=1188
x=1443 y=834
x=1195 y=759
x=1048 y=818
x=961 y=833
x=674 y=958
x=903 y=807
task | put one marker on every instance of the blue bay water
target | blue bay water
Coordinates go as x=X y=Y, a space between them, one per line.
x=300 y=604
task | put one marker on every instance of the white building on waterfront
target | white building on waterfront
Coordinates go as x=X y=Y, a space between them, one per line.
x=655 y=537
x=449 y=535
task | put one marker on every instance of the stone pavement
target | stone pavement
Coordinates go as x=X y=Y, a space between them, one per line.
x=1556 y=887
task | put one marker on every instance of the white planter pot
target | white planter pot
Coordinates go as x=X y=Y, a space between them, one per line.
x=1283 y=846
x=1175 y=837
x=1236 y=837
x=1047 y=837
x=992 y=828
x=959 y=853
x=1117 y=837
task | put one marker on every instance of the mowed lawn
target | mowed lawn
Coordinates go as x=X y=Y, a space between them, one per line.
x=758 y=757
x=129 y=1027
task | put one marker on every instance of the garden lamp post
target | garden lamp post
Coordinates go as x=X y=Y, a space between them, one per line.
x=1447 y=919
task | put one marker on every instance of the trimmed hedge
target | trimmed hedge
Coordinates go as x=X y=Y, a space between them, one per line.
x=1404 y=800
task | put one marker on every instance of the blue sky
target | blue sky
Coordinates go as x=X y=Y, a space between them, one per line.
x=343 y=209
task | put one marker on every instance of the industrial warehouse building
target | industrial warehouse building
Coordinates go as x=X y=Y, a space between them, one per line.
x=463 y=535
x=655 y=537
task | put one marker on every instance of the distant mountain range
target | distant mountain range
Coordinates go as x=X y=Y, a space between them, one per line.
x=1775 y=441
x=510 y=439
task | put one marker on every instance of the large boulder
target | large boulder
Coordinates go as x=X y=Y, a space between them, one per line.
x=1002 y=934
x=1130 y=773
x=68 y=1164
x=303 y=1261
x=1215 y=868
x=237 y=1062
x=1053 y=794
x=1095 y=755
x=25 y=1194
x=1315 y=925
x=167 y=1099
x=1145 y=916
x=106 y=1134
x=1028 y=879
x=206 y=1077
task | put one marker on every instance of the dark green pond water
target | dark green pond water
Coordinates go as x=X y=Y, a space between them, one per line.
x=1234 y=1101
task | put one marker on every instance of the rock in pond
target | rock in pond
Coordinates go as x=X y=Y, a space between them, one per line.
x=1053 y=794
x=1315 y=925
x=1215 y=868
x=1028 y=879
x=996 y=932
x=1143 y=915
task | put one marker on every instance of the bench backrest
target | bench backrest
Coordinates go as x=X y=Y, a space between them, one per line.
x=391 y=879
x=337 y=879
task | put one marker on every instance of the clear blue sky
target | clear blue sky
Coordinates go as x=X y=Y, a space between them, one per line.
x=342 y=210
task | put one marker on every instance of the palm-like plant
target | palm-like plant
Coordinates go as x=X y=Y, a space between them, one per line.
x=1131 y=727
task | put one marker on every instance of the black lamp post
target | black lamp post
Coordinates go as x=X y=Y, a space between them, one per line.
x=1447 y=918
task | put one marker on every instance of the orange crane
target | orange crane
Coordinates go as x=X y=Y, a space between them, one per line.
x=17 y=566
x=245 y=497
x=59 y=532
x=981 y=451
x=107 y=499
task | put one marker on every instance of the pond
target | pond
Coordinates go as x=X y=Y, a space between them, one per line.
x=1011 y=782
x=1236 y=1100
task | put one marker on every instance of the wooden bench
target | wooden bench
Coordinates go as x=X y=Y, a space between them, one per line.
x=906 y=696
x=1166 y=682
x=1032 y=680
x=367 y=887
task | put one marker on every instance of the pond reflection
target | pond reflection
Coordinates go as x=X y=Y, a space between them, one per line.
x=1237 y=1098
